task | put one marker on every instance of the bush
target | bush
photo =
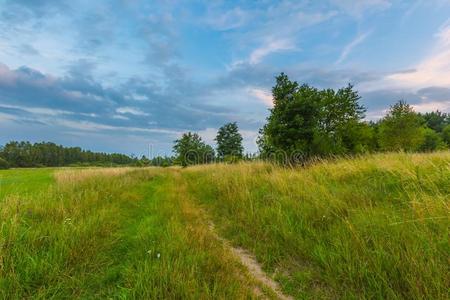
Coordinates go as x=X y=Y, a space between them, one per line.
x=432 y=141
x=3 y=164
x=446 y=135
x=401 y=129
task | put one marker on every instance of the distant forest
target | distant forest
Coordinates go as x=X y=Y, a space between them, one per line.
x=25 y=154
x=304 y=123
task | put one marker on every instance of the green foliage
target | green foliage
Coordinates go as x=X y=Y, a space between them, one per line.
x=446 y=135
x=436 y=120
x=26 y=154
x=229 y=141
x=3 y=164
x=313 y=122
x=162 y=161
x=401 y=129
x=191 y=150
x=431 y=141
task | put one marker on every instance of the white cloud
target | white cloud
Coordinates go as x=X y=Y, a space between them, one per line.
x=269 y=47
x=131 y=110
x=434 y=70
x=349 y=47
x=433 y=105
x=262 y=95
x=92 y=126
x=278 y=30
x=120 y=117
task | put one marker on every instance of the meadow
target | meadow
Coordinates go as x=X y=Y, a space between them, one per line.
x=374 y=226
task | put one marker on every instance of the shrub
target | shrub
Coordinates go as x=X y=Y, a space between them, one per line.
x=3 y=164
x=432 y=141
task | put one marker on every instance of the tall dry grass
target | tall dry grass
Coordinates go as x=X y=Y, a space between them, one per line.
x=374 y=226
x=72 y=175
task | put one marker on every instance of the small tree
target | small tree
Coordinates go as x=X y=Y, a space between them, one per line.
x=432 y=141
x=446 y=135
x=190 y=150
x=229 y=142
x=401 y=129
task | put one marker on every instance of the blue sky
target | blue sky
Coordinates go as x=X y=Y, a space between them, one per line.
x=119 y=75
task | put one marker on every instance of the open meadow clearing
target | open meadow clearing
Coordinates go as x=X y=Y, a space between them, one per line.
x=375 y=226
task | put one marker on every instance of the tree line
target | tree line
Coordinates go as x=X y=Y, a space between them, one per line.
x=25 y=154
x=304 y=123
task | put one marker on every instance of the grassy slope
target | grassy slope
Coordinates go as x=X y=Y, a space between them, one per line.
x=373 y=227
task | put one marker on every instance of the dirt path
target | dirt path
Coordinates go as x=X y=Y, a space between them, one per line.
x=253 y=267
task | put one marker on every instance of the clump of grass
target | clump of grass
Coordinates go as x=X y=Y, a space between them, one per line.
x=370 y=227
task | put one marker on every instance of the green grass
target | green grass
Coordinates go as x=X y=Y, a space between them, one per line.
x=370 y=227
x=121 y=237
x=24 y=181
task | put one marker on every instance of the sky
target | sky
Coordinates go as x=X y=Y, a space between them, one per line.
x=132 y=75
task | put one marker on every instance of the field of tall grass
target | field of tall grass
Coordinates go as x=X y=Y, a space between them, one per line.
x=371 y=227
x=375 y=226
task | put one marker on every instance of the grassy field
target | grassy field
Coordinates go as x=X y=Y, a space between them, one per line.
x=371 y=227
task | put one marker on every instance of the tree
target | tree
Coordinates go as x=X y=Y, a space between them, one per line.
x=25 y=154
x=190 y=150
x=162 y=161
x=229 y=142
x=436 y=120
x=3 y=164
x=446 y=135
x=306 y=122
x=401 y=129
x=432 y=141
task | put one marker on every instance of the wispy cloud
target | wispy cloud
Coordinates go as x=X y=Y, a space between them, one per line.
x=131 y=110
x=433 y=70
x=269 y=47
x=360 y=38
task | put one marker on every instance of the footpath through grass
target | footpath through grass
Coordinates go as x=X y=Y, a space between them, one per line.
x=374 y=227
x=371 y=227
x=129 y=236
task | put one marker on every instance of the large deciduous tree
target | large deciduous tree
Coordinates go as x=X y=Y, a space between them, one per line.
x=312 y=122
